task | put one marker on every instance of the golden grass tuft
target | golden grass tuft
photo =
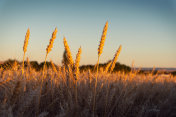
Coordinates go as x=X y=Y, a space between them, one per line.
x=68 y=52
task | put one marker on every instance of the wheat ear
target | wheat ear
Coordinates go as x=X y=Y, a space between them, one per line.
x=50 y=46
x=77 y=61
x=26 y=40
x=68 y=52
x=115 y=58
x=25 y=46
x=102 y=41
x=103 y=37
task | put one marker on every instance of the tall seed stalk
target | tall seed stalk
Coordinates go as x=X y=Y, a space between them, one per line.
x=25 y=47
x=76 y=70
x=100 y=50
x=49 y=47
x=68 y=60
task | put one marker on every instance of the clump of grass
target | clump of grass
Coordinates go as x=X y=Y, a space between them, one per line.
x=68 y=53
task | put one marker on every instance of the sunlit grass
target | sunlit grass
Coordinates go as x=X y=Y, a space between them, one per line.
x=116 y=94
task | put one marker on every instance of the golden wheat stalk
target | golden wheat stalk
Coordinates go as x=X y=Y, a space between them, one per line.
x=115 y=58
x=25 y=46
x=26 y=40
x=68 y=52
x=102 y=41
x=50 y=46
x=107 y=66
x=100 y=50
x=77 y=61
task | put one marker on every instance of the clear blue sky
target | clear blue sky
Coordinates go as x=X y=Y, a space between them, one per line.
x=146 y=29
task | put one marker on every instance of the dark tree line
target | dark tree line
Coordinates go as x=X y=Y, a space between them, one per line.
x=35 y=65
x=9 y=64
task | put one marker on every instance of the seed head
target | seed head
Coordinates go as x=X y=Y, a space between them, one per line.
x=26 y=41
x=50 y=46
x=103 y=37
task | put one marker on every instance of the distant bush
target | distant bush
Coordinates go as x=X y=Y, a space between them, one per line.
x=118 y=67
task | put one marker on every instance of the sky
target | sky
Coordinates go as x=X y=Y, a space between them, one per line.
x=146 y=29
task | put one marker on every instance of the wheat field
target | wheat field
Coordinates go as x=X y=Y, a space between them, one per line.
x=64 y=91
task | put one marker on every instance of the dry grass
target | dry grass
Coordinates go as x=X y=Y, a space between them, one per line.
x=117 y=94
x=68 y=53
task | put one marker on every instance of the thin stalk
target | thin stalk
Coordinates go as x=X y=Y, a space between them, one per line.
x=23 y=63
x=94 y=100
x=76 y=92
x=38 y=105
x=44 y=64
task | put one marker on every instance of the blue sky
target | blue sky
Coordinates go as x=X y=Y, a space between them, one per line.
x=146 y=29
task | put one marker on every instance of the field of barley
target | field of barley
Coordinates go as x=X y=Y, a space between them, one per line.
x=65 y=91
